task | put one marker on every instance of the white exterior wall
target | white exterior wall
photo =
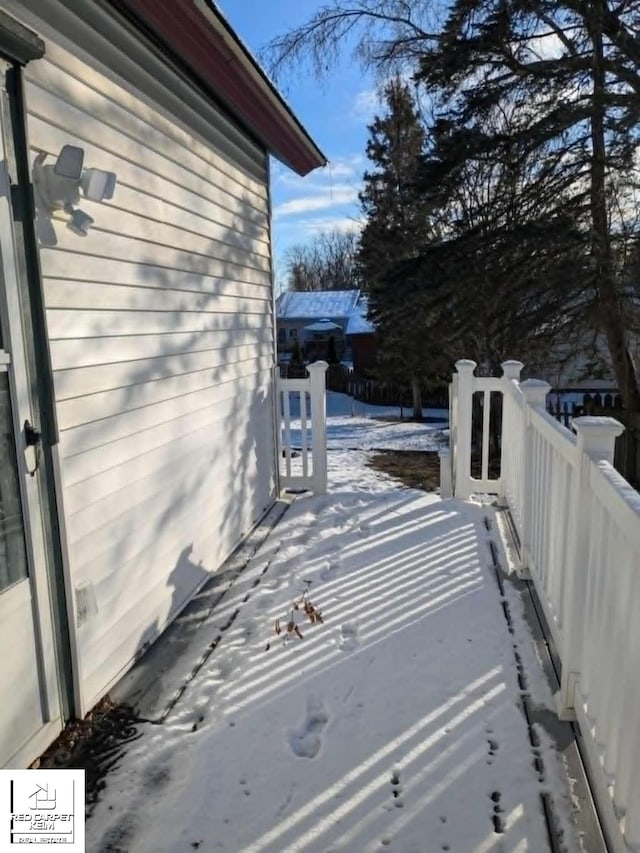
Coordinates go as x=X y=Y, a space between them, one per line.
x=161 y=333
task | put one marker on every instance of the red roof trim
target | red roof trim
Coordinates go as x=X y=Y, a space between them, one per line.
x=219 y=65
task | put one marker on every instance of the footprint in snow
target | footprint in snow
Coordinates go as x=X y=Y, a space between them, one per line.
x=306 y=741
x=264 y=601
x=326 y=570
x=226 y=665
x=250 y=626
x=396 y=788
x=364 y=529
x=330 y=568
x=349 y=638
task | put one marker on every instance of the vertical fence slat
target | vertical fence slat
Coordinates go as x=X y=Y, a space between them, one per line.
x=535 y=393
x=453 y=427
x=465 y=368
x=627 y=763
x=556 y=534
x=600 y=626
x=539 y=520
x=534 y=520
x=317 y=390
x=566 y=474
x=486 y=414
x=304 y=439
x=622 y=624
x=590 y=608
x=287 y=431
x=544 y=515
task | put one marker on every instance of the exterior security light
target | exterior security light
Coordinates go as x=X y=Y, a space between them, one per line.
x=80 y=222
x=69 y=162
x=98 y=185
x=59 y=187
x=54 y=190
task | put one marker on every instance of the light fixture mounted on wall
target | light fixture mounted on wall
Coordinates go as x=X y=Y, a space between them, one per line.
x=59 y=187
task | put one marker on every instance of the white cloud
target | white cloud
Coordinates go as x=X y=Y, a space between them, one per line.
x=366 y=104
x=370 y=102
x=324 y=197
x=325 y=200
x=545 y=45
x=347 y=167
x=336 y=223
x=343 y=168
x=290 y=179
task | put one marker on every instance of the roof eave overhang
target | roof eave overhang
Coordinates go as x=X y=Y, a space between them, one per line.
x=197 y=34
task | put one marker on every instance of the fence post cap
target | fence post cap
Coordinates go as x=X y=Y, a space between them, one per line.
x=535 y=383
x=592 y=425
x=511 y=369
x=597 y=436
x=535 y=391
x=465 y=365
x=318 y=366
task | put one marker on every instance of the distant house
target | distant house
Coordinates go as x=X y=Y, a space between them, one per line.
x=137 y=336
x=581 y=365
x=313 y=319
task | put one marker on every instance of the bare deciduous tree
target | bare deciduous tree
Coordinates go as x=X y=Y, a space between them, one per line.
x=387 y=32
x=327 y=262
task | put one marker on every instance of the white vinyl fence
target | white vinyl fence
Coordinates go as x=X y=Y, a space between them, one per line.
x=578 y=522
x=302 y=431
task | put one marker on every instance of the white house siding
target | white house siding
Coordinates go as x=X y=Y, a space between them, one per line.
x=160 y=325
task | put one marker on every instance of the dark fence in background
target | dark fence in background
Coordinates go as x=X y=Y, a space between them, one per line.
x=293 y=371
x=564 y=412
x=627 y=456
x=346 y=381
x=627 y=453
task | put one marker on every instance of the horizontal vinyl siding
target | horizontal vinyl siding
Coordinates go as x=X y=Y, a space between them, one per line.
x=107 y=270
x=160 y=327
x=105 y=351
x=120 y=108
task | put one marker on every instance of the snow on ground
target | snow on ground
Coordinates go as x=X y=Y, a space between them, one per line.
x=343 y=405
x=394 y=725
x=353 y=425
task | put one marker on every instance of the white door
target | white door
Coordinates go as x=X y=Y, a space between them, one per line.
x=29 y=690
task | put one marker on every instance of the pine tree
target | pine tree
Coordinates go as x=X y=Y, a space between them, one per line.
x=568 y=73
x=508 y=267
x=397 y=226
x=567 y=76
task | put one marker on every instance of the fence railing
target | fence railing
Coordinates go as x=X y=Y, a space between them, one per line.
x=302 y=431
x=578 y=522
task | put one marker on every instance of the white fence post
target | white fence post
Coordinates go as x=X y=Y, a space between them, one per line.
x=596 y=441
x=318 y=393
x=465 y=368
x=535 y=392
x=453 y=429
x=446 y=490
x=510 y=370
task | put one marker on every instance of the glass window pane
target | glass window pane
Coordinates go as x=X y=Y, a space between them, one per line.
x=13 y=560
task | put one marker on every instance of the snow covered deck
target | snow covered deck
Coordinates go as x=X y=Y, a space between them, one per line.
x=404 y=722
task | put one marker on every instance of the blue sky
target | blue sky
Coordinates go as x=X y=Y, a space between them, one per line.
x=335 y=111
